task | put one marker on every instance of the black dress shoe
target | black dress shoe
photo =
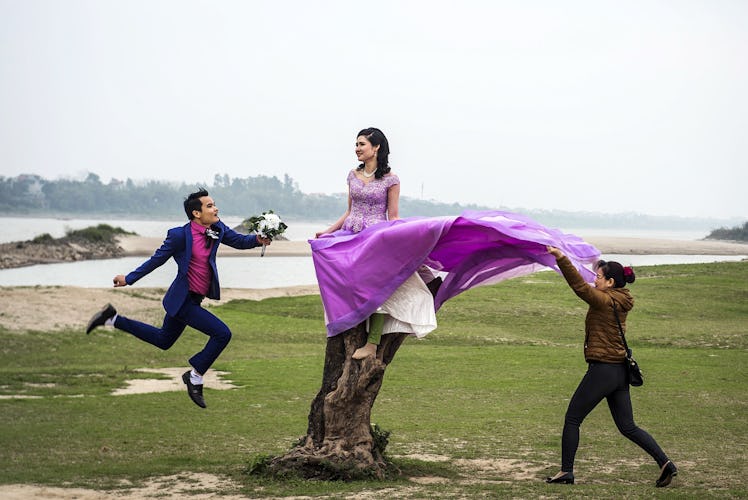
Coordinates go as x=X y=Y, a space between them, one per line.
x=669 y=471
x=567 y=478
x=100 y=317
x=194 y=391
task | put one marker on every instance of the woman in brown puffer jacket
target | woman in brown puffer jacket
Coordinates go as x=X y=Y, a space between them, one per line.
x=606 y=375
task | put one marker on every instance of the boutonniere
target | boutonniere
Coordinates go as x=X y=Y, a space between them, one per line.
x=210 y=235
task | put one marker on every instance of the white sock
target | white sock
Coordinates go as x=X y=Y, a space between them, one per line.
x=110 y=321
x=196 y=378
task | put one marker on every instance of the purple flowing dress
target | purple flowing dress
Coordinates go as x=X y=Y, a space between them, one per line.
x=410 y=306
x=360 y=266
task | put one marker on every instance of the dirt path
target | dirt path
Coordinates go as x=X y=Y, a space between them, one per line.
x=166 y=487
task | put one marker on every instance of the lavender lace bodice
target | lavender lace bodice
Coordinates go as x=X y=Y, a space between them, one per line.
x=368 y=201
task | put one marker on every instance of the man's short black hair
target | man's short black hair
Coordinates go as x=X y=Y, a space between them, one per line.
x=192 y=202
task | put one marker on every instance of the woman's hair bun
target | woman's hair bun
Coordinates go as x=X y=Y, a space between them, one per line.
x=628 y=274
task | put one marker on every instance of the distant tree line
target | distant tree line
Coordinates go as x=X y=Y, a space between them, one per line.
x=33 y=195
x=738 y=233
x=243 y=197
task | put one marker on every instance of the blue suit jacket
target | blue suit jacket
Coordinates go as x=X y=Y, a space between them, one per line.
x=178 y=244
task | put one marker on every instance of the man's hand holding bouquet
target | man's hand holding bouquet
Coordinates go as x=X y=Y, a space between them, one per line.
x=268 y=226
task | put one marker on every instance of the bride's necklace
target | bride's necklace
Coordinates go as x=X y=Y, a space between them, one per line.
x=368 y=175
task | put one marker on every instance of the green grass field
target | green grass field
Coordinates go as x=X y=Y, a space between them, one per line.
x=475 y=409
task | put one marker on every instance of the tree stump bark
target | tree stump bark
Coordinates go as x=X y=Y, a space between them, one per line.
x=339 y=444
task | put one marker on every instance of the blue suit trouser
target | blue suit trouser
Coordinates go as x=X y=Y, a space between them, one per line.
x=190 y=314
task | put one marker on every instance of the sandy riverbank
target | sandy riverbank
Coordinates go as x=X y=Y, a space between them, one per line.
x=20 y=254
x=54 y=308
x=652 y=246
x=142 y=246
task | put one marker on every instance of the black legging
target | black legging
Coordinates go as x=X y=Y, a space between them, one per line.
x=604 y=380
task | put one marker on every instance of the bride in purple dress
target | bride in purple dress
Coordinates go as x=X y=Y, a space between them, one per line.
x=374 y=197
x=368 y=262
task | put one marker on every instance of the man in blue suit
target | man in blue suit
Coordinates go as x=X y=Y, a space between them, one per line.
x=193 y=247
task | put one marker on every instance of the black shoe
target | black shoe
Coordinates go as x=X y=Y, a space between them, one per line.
x=100 y=317
x=669 y=471
x=194 y=391
x=567 y=478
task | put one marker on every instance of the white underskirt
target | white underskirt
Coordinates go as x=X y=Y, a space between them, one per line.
x=410 y=309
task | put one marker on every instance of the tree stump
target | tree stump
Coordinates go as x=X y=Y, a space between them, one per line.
x=339 y=444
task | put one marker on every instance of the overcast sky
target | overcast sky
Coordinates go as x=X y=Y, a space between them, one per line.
x=635 y=106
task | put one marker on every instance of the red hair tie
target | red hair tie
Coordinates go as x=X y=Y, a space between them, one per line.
x=627 y=271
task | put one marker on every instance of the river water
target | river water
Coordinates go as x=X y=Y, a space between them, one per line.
x=22 y=229
x=242 y=272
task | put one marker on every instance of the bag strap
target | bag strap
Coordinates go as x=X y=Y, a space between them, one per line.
x=620 y=328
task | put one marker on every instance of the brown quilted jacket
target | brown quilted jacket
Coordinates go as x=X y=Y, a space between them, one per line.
x=603 y=341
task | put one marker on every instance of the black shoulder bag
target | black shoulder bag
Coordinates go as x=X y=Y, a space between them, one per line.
x=634 y=372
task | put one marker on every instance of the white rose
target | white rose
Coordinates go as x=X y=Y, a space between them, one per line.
x=273 y=220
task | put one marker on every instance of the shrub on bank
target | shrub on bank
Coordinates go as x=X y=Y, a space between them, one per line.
x=100 y=233
x=736 y=233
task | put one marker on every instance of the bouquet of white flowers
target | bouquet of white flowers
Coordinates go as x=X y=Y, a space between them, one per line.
x=268 y=225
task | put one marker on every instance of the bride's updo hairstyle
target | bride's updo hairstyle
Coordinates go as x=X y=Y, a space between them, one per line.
x=620 y=274
x=377 y=138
